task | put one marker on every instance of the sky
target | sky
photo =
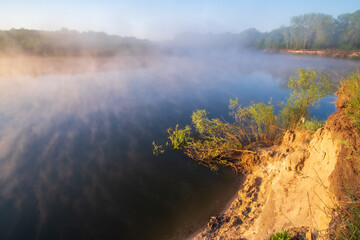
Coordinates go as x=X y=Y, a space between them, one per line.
x=162 y=19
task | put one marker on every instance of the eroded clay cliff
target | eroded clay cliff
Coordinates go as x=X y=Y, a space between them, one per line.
x=296 y=186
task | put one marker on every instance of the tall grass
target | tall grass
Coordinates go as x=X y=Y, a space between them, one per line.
x=350 y=224
x=345 y=223
x=349 y=95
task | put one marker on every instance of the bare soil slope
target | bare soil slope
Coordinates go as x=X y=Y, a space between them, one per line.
x=296 y=185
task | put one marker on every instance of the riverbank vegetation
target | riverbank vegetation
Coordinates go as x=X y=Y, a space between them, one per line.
x=345 y=214
x=346 y=220
x=215 y=142
x=308 y=172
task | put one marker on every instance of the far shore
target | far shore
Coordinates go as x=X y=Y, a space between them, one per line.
x=334 y=53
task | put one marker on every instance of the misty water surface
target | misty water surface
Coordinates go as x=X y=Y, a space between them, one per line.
x=75 y=150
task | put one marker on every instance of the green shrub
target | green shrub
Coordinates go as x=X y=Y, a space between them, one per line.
x=214 y=142
x=313 y=124
x=211 y=141
x=306 y=90
x=280 y=236
x=258 y=121
x=179 y=138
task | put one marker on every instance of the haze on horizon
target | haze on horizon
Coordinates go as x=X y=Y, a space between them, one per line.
x=160 y=19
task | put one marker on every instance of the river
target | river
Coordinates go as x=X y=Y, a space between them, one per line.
x=76 y=149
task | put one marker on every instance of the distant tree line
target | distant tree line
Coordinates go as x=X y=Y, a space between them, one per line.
x=69 y=43
x=308 y=31
x=314 y=31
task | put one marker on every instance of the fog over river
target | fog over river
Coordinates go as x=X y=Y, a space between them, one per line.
x=76 y=144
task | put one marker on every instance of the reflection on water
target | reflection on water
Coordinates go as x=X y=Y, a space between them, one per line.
x=75 y=150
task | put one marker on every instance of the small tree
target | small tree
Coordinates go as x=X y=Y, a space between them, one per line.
x=213 y=142
x=258 y=121
x=306 y=90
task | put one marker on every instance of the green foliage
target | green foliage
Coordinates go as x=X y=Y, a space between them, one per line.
x=179 y=137
x=349 y=93
x=258 y=121
x=306 y=90
x=315 y=31
x=211 y=142
x=263 y=114
x=201 y=122
x=313 y=124
x=214 y=142
x=157 y=149
x=280 y=236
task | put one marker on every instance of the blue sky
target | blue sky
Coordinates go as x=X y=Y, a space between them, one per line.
x=162 y=19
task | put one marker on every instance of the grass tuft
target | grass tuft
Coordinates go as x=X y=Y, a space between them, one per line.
x=280 y=236
x=313 y=124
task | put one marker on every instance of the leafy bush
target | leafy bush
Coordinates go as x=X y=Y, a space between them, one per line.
x=280 y=236
x=213 y=142
x=179 y=137
x=258 y=121
x=306 y=90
